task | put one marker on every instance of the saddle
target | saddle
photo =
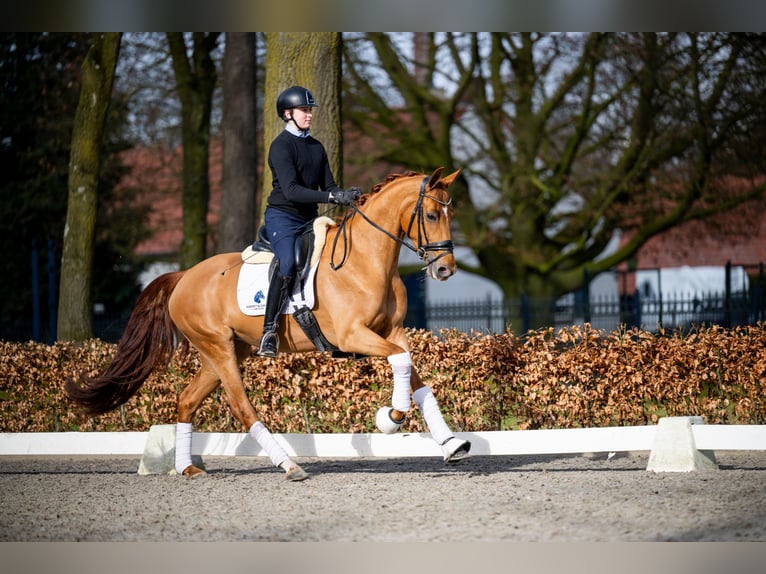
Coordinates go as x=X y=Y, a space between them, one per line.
x=308 y=248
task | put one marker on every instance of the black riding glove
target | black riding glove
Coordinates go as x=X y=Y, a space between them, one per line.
x=345 y=196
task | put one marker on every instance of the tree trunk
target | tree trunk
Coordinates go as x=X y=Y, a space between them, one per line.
x=195 y=82
x=311 y=60
x=237 y=222
x=75 y=312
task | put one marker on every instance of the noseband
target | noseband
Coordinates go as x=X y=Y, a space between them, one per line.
x=423 y=250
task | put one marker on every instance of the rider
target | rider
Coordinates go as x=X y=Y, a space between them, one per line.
x=301 y=179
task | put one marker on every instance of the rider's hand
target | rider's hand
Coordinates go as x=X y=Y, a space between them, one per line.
x=345 y=196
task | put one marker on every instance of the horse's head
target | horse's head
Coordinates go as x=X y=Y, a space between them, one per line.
x=414 y=207
x=428 y=224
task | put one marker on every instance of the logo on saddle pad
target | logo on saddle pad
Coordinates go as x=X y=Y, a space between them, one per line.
x=253 y=285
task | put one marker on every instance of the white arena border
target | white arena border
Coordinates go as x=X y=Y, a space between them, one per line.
x=671 y=435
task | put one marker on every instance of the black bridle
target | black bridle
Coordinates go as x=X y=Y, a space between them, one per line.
x=423 y=250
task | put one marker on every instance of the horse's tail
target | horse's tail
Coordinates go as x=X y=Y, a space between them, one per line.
x=147 y=343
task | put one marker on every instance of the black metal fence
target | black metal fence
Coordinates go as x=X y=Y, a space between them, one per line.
x=728 y=306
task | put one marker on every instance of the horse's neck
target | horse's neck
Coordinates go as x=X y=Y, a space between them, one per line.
x=367 y=245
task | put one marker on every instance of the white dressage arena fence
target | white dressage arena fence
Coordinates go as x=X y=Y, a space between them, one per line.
x=675 y=444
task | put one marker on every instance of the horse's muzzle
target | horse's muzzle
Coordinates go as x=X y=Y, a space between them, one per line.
x=442 y=266
x=442 y=269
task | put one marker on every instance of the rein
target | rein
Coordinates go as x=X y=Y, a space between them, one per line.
x=423 y=251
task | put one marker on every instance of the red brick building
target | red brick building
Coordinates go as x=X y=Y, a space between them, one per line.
x=737 y=237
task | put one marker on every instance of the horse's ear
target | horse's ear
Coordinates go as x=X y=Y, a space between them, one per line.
x=435 y=177
x=451 y=178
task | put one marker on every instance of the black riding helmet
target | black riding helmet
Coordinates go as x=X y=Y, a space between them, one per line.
x=294 y=97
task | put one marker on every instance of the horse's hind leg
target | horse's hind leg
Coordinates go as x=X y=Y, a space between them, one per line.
x=202 y=385
x=227 y=367
x=204 y=382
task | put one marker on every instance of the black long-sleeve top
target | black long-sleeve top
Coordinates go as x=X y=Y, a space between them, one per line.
x=301 y=175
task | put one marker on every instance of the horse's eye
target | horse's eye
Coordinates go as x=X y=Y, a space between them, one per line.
x=432 y=217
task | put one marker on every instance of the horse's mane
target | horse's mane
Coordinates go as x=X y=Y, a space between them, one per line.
x=378 y=186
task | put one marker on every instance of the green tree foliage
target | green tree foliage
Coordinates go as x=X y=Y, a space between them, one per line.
x=566 y=140
x=39 y=75
x=40 y=78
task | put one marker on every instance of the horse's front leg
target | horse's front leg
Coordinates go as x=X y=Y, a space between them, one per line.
x=390 y=419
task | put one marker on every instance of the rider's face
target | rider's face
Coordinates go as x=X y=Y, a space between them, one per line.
x=303 y=116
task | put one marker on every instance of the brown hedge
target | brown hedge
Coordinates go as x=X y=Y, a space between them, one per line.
x=574 y=377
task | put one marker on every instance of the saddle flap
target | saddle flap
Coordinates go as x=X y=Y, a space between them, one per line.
x=304 y=247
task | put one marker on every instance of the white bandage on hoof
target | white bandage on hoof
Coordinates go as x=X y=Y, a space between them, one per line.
x=455 y=449
x=183 y=446
x=385 y=423
x=401 y=365
x=261 y=434
x=427 y=404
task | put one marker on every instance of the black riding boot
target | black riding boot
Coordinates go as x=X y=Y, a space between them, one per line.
x=279 y=290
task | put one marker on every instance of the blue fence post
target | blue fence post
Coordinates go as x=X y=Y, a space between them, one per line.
x=52 y=302
x=35 y=293
x=662 y=303
x=760 y=291
x=524 y=313
x=586 y=289
x=727 y=296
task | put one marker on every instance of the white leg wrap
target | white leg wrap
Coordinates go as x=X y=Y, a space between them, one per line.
x=401 y=365
x=183 y=446
x=261 y=434
x=426 y=401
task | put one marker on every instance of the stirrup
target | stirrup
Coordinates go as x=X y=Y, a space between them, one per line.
x=269 y=346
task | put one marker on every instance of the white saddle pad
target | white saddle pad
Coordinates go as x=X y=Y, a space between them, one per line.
x=253 y=287
x=253 y=282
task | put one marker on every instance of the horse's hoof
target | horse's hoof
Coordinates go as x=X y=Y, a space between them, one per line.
x=192 y=471
x=293 y=472
x=385 y=423
x=455 y=449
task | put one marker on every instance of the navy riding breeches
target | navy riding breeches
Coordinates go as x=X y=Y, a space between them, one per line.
x=282 y=230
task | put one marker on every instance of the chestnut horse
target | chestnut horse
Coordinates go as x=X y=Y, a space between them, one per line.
x=360 y=307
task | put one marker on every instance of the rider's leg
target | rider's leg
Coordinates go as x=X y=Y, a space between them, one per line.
x=282 y=229
x=279 y=291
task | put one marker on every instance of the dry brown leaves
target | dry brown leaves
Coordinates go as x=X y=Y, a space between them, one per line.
x=575 y=377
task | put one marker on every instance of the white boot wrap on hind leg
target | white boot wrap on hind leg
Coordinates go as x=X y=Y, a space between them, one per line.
x=426 y=401
x=267 y=441
x=183 y=446
x=401 y=365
